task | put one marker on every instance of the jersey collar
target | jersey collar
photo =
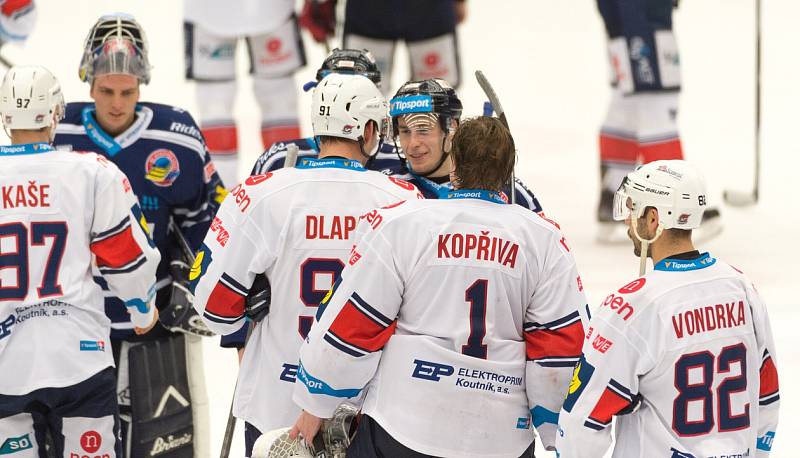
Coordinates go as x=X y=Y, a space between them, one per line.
x=684 y=265
x=440 y=189
x=329 y=163
x=28 y=148
x=113 y=145
x=482 y=194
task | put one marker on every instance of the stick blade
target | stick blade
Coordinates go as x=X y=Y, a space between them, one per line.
x=740 y=199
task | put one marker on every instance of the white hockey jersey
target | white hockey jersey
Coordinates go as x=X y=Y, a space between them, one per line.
x=295 y=225
x=688 y=349
x=60 y=213
x=238 y=18
x=464 y=316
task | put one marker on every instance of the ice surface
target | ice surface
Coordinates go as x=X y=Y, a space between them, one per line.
x=547 y=61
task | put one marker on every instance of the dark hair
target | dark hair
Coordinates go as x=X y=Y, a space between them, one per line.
x=484 y=154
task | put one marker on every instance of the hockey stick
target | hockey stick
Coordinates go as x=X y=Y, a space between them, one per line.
x=501 y=114
x=292 y=151
x=5 y=62
x=739 y=198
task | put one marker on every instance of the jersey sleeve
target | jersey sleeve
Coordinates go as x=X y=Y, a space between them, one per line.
x=524 y=197
x=225 y=268
x=554 y=331
x=354 y=323
x=124 y=253
x=194 y=216
x=604 y=383
x=769 y=397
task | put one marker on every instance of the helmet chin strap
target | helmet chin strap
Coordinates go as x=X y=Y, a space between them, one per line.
x=445 y=154
x=645 y=245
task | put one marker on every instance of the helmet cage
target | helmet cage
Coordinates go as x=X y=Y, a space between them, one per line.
x=116 y=45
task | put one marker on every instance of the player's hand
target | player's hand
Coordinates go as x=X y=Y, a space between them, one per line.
x=141 y=331
x=460 y=8
x=307 y=426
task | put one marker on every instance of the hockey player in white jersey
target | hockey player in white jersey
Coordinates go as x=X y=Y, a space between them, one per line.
x=461 y=313
x=212 y=30
x=62 y=213
x=295 y=226
x=682 y=356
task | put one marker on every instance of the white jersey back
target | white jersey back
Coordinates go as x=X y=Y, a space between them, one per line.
x=238 y=18
x=297 y=226
x=465 y=311
x=691 y=341
x=61 y=213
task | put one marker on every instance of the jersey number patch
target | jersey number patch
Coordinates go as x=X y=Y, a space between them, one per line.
x=310 y=292
x=15 y=237
x=476 y=295
x=697 y=391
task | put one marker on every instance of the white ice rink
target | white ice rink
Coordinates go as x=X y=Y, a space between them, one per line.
x=547 y=62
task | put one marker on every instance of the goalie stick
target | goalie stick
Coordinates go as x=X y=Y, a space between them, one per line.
x=740 y=198
x=292 y=151
x=501 y=114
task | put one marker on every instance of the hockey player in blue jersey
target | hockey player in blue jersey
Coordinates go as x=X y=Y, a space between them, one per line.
x=429 y=171
x=161 y=150
x=348 y=61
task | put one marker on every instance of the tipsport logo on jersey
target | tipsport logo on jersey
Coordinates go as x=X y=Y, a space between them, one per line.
x=162 y=167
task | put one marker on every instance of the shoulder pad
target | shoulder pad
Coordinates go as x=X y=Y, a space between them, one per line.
x=173 y=119
x=72 y=112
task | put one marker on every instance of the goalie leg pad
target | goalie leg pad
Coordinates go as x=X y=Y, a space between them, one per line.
x=160 y=400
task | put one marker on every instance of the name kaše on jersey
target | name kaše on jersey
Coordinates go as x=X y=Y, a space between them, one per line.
x=26 y=194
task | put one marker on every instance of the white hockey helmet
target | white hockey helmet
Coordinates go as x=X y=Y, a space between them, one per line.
x=31 y=99
x=343 y=105
x=116 y=44
x=675 y=188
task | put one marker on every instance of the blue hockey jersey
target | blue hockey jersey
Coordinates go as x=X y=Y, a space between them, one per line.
x=166 y=161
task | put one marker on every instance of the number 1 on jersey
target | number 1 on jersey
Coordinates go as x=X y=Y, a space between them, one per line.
x=476 y=295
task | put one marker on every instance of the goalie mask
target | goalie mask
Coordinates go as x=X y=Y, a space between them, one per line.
x=31 y=99
x=116 y=45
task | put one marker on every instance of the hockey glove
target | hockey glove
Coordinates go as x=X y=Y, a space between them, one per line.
x=319 y=18
x=179 y=315
x=257 y=302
